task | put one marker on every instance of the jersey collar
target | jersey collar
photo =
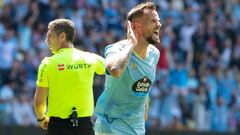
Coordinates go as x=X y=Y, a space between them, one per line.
x=62 y=49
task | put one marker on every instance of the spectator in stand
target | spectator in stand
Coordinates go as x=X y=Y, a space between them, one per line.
x=22 y=111
x=216 y=23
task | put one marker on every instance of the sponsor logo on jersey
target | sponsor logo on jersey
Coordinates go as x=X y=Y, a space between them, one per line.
x=62 y=67
x=141 y=87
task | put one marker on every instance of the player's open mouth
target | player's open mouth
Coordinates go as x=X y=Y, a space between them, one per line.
x=156 y=33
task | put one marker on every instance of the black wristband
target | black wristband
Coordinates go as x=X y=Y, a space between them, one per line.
x=39 y=120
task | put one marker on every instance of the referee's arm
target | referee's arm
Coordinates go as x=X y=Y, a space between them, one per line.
x=40 y=99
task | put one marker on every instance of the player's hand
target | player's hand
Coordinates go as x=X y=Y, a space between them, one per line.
x=133 y=34
x=44 y=123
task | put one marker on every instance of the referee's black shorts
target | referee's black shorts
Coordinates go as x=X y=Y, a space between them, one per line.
x=58 y=126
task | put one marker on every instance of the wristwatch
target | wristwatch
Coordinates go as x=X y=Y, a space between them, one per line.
x=39 y=120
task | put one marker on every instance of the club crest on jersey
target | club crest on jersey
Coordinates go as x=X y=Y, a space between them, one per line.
x=61 y=67
x=133 y=66
x=141 y=87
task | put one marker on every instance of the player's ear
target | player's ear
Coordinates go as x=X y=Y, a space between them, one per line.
x=135 y=25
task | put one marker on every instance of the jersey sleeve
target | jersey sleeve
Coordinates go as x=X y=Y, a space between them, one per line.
x=114 y=48
x=109 y=51
x=42 y=80
x=100 y=65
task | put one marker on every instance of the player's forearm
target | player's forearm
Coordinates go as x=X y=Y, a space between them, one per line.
x=117 y=64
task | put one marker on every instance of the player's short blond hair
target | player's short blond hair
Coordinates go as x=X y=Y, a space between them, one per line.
x=140 y=10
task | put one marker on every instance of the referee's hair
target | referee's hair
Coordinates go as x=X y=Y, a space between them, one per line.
x=63 y=25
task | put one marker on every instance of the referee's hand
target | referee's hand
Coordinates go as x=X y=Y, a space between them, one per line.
x=44 y=123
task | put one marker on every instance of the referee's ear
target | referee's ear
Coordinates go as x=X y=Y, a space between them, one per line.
x=63 y=36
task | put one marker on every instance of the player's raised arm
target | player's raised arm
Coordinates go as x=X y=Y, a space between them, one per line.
x=116 y=64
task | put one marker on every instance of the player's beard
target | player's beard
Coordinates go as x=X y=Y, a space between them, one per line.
x=152 y=41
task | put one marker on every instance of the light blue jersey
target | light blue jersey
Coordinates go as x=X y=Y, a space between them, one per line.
x=120 y=108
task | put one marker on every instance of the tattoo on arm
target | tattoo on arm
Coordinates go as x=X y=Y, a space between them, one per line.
x=118 y=63
x=123 y=64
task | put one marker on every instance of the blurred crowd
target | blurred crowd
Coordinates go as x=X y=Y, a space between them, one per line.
x=198 y=78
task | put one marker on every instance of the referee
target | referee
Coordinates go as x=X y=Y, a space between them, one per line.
x=63 y=100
